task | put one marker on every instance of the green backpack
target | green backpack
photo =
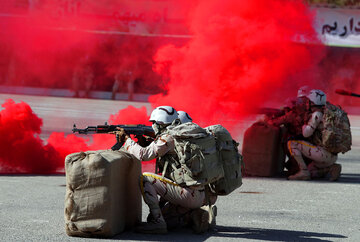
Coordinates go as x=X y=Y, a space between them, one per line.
x=196 y=158
x=230 y=159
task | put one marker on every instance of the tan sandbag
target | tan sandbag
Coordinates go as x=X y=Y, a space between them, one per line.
x=103 y=195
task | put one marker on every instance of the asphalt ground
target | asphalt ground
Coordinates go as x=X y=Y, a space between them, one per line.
x=262 y=209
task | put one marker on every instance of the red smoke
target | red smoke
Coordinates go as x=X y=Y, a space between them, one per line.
x=242 y=55
x=45 y=43
x=65 y=145
x=21 y=149
x=131 y=115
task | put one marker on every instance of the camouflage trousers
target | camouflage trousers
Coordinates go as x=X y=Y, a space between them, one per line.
x=153 y=185
x=320 y=157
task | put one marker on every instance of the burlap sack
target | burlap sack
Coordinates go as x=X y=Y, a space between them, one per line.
x=103 y=195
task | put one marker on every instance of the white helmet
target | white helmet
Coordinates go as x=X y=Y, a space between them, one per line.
x=303 y=91
x=184 y=117
x=163 y=115
x=318 y=97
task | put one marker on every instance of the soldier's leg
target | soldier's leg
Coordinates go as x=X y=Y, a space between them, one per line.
x=295 y=149
x=200 y=217
x=115 y=89
x=175 y=215
x=130 y=87
x=153 y=185
x=323 y=163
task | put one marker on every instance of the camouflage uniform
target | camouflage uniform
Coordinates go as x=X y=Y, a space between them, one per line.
x=153 y=185
x=322 y=160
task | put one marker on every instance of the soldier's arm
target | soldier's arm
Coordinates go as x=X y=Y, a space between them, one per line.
x=284 y=119
x=314 y=121
x=157 y=148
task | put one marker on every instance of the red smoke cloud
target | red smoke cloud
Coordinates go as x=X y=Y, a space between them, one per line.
x=65 y=145
x=46 y=44
x=43 y=46
x=242 y=55
x=131 y=115
x=21 y=149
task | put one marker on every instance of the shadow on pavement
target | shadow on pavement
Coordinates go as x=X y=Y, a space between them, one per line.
x=227 y=232
x=273 y=234
x=349 y=178
x=344 y=178
x=181 y=234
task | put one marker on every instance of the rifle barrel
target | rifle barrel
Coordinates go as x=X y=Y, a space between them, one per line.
x=130 y=129
x=347 y=93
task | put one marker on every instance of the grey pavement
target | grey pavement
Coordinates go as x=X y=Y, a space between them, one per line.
x=262 y=209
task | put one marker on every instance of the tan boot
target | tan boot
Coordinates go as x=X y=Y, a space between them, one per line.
x=200 y=220
x=334 y=172
x=212 y=211
x=300 y=175
x=157 y=226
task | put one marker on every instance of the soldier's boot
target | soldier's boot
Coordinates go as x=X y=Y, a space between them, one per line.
x=292 y=166
x=200 y=220
x=303 y=173
x=334 y=172
x=175 y=215
x=212 y=211
x=155 y=224
x=300 y=175
x=316 y=172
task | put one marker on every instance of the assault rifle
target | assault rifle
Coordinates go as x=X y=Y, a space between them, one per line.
x=291 y=118
x=136 y=129
x=271 y=112
x=347 y=93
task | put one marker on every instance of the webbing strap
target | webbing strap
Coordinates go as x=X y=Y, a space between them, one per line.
x=208 y=203
x=164 y=170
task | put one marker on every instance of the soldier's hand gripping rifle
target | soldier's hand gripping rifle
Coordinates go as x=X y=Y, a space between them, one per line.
x=137 y=130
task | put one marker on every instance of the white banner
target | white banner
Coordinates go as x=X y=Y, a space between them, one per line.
x=338 y=27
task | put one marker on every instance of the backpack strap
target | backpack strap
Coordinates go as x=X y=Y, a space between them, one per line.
x=166 y=165
x=207 y=195
x=164 y=170
x=209 y=207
